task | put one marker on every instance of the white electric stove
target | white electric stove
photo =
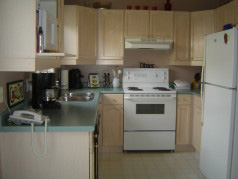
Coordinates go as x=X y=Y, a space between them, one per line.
x=149 y=109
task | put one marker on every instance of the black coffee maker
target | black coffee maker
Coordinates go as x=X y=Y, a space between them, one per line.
x=75 y=79
x=44 y=92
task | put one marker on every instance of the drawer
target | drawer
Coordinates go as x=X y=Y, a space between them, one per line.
x=184 y=99
x=113 y=99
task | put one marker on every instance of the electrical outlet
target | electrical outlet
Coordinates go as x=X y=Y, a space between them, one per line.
x=1 y=94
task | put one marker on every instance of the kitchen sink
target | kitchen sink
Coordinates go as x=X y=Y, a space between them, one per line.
x=76 y=97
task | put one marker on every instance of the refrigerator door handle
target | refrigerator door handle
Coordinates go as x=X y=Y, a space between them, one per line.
x=202 y=100
x=202 y=90
x=205 y=83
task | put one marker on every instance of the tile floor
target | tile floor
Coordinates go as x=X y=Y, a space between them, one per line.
x=149 y=165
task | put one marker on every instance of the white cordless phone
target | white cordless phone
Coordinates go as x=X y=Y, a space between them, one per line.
x=27 y=117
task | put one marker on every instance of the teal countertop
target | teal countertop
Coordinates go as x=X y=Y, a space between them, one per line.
x=70 y=117
x=193 y=91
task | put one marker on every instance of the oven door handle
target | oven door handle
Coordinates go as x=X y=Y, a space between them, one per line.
x=143 y=99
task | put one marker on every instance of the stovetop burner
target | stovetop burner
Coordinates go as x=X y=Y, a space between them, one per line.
x=162 y=89
x=134 y=89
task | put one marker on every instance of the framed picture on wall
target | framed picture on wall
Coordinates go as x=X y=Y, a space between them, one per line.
x=15 y=92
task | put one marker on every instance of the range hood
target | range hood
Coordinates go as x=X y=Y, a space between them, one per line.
x=148 y=43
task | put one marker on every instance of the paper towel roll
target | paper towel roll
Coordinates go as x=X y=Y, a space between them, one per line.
x=65 y=79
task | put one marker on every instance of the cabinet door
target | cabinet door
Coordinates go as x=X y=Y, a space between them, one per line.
x=219 y=16
x=202 y=23
x=231 y=9
x=161 y=24
x=236 y=11
x=183 y=125
x=87 y=33
x=111 y=32
x=112 y=99
x=112 y=125
x=70 y=33
x=226 y=15
x=100 y=137
x=197 y=123
x=136 y=24
x=181 y=38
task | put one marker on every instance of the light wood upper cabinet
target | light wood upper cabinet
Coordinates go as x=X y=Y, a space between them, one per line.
x=111 y=36
x=149 y=24
x=181 y=39
x=88 y=33
x=236 y=11
x=202 y=23
x=227 y=14
x=220 y=18
x=112 y=118
x=183 y=124
x=19 y=39
x=197 y=123
x=70 y=34
x=161 y=24
x=80 y=35
x=137 y=24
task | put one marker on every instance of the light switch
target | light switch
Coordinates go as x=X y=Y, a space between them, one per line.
x=1 y=94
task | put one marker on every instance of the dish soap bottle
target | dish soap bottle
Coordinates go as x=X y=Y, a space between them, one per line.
x=41 y=40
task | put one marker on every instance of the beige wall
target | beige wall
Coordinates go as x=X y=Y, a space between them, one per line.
x=6 y=77
x=133 y=59
x=182 y=5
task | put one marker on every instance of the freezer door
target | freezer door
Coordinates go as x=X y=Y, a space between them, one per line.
x=221 y=58
x=217 y=132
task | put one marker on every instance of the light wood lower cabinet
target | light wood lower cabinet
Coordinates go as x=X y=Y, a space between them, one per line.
x=112 y=120
x=184 y=122
x=197 y=123
x=69 y=155
x=188 y=130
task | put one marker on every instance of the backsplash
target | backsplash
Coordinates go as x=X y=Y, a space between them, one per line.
x=133 y=58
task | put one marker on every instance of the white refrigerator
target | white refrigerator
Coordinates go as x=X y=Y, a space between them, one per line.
x=219 y=145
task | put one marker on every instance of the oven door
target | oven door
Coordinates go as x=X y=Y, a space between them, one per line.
x=153 y=113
